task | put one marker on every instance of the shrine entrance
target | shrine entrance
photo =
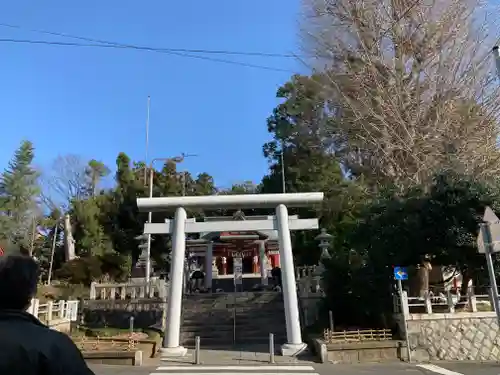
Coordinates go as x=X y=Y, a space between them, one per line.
x=248 y=256
x=281 y=222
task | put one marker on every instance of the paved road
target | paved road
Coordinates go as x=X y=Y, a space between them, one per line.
x=306 y=369
x=462 y=368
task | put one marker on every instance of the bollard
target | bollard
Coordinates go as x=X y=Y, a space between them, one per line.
x=271 y=348
x=197 y=350
x=131 y=324
x=330 y=320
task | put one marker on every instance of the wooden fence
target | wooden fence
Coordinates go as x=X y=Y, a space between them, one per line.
x=357 y=335
x=85 y=343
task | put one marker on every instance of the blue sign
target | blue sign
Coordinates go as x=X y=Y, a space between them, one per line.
x=400 y=273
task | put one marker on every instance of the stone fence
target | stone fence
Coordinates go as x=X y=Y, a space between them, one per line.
x=448 y=302
x=131 y=290
x=56 y=314
x=448 y=327
x=113 y=304
x=302 y=272
x=51 y=310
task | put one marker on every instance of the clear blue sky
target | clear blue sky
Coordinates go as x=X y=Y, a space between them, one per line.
x=92 y=101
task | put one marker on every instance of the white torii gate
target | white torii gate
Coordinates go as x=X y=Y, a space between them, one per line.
x=180 y=225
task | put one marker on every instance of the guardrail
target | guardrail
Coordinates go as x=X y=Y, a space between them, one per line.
x=129 y=290
x=447 y=302
x=47 y=312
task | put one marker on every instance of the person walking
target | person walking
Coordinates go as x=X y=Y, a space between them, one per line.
x=28 y=347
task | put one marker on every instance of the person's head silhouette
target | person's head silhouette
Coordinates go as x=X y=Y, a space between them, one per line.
x=18 y=281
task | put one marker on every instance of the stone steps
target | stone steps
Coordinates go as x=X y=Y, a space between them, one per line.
x=269 y=307
x=229 y=321
x=230 y=342
x=230 y=302
x=233 y=305
x=268 y=313
x=230 y=328
x=224 y=320
x=239 y=342
x=239 y=298
x=229 y=333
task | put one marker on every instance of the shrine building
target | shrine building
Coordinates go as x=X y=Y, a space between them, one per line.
x=258 y=251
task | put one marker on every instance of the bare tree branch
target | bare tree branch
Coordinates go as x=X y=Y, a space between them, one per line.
x=410 y=83
x=67 y=179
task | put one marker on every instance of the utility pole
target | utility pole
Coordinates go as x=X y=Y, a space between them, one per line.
x=33 y=230
x=183 y=183
x=53 y=250
x=176 y=160
x=283 y=178
x=147 y=142
x=489 y=236
x=496 y=58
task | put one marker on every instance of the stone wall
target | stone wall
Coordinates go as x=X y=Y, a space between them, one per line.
x=61 y=325
x=470 y=336
x=117 y=313
x=310 y=305
x=358 y=352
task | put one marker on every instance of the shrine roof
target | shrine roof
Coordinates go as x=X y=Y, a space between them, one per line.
x=270 y=235
x=237 y=216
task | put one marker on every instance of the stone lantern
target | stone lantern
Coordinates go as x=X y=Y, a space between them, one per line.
x=324 y=244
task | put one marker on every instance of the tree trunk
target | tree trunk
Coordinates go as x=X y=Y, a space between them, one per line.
x=466 y=278
x=423 y=278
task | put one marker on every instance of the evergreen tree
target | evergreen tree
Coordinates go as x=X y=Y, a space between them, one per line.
x=95 y=171
x=18 y=197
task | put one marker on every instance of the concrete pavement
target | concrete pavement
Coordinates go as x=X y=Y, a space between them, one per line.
x=250 y=361
x=398 y=368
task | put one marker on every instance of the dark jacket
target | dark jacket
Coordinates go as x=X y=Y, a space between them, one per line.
x=27 y=347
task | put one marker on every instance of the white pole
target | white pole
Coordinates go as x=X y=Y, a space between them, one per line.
x=294 y=343
x=147 y=141
x=262 y=256
x=171 y=345
x=496 y=57
x=150 y=220
x=407 y=336
x=208 y=265
x=148 y=251
x=283 y=178
x=183 y=183
x=49 y=278
x=150 y=214
x=33 y=231
x=485 y=229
